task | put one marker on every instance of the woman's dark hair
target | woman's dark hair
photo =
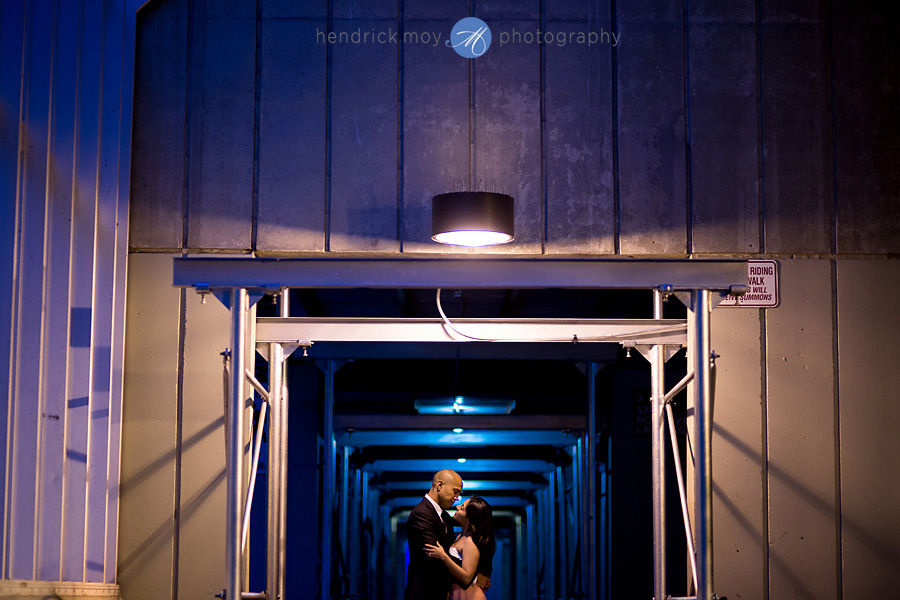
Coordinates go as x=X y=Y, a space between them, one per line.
x=481 y=527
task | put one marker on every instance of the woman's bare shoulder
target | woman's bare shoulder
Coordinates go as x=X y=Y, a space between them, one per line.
x=468 y=544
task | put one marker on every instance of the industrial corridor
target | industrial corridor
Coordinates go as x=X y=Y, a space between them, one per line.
x=384 y=389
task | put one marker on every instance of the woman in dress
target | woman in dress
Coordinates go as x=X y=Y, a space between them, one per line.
x=472 y=551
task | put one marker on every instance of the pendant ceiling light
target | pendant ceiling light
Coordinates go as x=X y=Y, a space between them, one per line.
x=464 y=405
x=472 y=218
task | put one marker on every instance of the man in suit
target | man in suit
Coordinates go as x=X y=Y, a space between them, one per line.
x=430 y=523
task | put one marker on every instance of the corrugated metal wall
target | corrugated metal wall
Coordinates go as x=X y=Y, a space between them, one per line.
x=66 y=72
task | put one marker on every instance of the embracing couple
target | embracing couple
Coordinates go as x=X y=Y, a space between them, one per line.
x=443 y=566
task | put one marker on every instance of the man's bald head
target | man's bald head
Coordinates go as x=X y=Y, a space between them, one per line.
x=447 y=476
x=446 y=486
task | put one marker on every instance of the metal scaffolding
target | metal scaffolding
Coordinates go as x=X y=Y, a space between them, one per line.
x=238 y=283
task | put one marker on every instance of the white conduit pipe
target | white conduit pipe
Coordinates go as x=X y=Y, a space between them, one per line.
x=245 y=528
x=679 y=386
x=681 y=492
x=257 y=385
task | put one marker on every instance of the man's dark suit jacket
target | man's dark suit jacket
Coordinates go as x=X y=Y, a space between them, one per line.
x=427 y=578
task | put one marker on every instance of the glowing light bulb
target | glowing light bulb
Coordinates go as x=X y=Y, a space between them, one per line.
x=472 y=238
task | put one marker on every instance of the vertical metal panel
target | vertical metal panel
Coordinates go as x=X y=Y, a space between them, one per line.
x=152 y=356
x=724 y=171
x=797 y=164
x=221 y=122
x=435 y=108
x=56 y=316
x=12 y=34
x=578 y=130
x=123 y=174
x=157 y=192
x=651 y=128
x=29 y=296
x=739 y=550
x=84 y=230
x=292 y=145
x=202 y=458
x=507 y=119
x=104 y=289
x=866 y=128
x=801 y=440
x=364 y=160
x=869 y=420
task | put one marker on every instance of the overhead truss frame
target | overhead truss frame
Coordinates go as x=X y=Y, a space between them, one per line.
x=239 y=282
